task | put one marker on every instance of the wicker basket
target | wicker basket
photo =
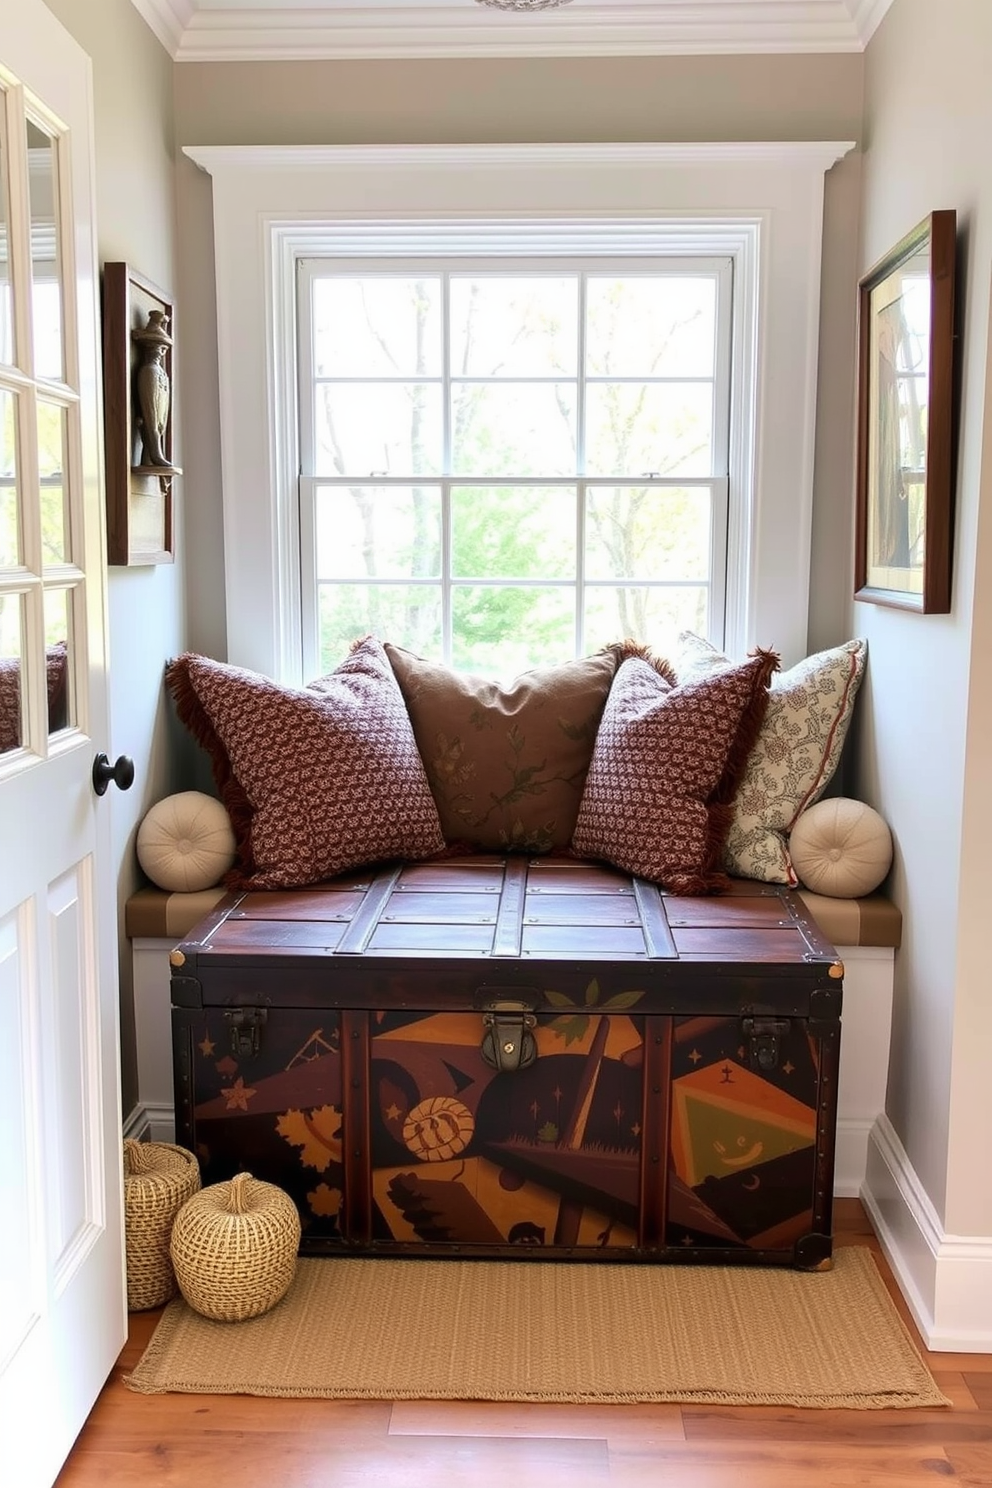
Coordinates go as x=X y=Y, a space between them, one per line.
x=158 y=1179
x=234 y=1248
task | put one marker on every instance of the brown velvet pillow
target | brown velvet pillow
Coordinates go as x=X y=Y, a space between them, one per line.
x=506 y=764
x=667 y=762
x=316 y=780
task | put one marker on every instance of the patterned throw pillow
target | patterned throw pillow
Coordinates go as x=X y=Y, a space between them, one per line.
x=506 y=764
x=316 y=780
x=796 y=753
x=664 y=770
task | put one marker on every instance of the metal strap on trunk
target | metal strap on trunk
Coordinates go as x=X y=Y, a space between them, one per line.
x=356 y=938
x=658 y=939
x=508 y=935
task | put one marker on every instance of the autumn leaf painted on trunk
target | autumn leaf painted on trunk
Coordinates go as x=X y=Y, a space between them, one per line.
x=575 y=1027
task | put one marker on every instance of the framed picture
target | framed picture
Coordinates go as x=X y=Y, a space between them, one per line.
x=906 y=421
x=137 y=417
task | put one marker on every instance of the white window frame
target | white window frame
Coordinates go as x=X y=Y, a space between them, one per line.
x=759 y=204
x=727 y=333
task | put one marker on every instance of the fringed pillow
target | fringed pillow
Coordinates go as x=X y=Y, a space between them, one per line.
x=796 y=753
x=657 y=801
x=315 y=780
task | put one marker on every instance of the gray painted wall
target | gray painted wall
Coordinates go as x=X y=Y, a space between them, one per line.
x=927 y=716
x=523 y=101
x=136 y=224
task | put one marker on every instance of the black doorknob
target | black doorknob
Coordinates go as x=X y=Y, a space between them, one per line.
x=121 y=772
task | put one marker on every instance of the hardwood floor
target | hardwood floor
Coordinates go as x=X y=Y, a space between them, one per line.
x=203 y=1441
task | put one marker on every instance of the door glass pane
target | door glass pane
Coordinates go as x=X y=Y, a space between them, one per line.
x=6 y=297
x=514 y=327
x=378 y=532
x=10 y=540
x=512 y=532
x=46 y=289
x=11 y=648
x=51 y=465
x=61 y=711
x=408 y=615
x=635 y=532
x=51 y=451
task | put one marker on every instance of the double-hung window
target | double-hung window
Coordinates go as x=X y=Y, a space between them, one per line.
x=508 y=462
x=531 y=396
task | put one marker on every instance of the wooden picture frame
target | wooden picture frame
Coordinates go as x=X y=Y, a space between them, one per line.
x=137 y=364
x=905 y=421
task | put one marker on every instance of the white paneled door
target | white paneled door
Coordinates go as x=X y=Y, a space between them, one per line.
x=62 y=1294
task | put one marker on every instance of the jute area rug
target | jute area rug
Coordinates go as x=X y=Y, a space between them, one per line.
x=386 y=1329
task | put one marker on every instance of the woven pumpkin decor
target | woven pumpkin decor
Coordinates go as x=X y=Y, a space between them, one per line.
x=234 y=1248
x=158 y=1179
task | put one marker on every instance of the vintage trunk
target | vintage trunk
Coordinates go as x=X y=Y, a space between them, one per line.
x=494 y=1057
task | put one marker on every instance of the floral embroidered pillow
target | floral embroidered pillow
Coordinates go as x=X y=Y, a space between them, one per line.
x=664 y=770
x=315 y=780
x=506 y=765
x=795 y=755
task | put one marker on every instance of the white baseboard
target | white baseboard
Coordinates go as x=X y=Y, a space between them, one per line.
x=850 y=1156
x=136 y=1125
x=151 y=1123
x=946 y=1279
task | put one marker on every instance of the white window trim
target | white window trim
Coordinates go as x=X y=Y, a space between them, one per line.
x=760 y=203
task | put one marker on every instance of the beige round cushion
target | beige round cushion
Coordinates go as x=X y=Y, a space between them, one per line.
x=185 y=842
x=841 y=848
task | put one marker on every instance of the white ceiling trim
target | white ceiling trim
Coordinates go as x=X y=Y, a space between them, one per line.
x=220 y=160
x=868 y=16
x=198 y=31
x=168 y=19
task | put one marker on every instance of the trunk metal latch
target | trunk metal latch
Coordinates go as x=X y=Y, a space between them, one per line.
x=246 y=1025
x=508 y=1042
x=763 y=1035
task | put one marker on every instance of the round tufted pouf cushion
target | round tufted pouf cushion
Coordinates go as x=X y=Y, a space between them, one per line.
x=841 y=848
x=186 y=843
x=158 y=1180
x=234 y=1248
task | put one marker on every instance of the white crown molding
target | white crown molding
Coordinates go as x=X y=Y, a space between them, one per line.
x=220 y=160
x=168 y=19
x=212 y=31
x=868 y=16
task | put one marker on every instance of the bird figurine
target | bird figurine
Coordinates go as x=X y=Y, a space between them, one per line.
x=152 y=388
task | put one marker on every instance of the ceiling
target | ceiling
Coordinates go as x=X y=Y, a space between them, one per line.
x=257 y=30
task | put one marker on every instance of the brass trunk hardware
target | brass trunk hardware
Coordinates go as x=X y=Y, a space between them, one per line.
x=763 y=1035
x=508 y=1042
x=246 y=1025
